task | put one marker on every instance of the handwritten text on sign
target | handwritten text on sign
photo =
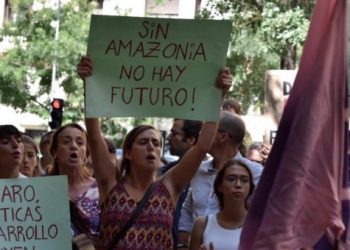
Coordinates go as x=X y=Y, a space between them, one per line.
x=34 y=214
x=155 y=67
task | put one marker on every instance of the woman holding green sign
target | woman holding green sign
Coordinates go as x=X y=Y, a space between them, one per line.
x=136 y=207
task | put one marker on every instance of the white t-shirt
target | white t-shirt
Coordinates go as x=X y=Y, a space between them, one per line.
x=21 y=176
x=223 y=239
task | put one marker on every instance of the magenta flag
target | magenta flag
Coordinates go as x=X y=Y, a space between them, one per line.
x=303 y=192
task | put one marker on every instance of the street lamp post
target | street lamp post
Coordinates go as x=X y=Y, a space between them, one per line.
x=56 y=90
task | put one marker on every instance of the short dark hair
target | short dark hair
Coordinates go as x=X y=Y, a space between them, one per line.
x=9 y=130
x=191 y=128
x=232 y=103
x=233 y=125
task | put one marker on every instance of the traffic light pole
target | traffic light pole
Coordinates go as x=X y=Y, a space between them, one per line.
x=54 y=86
x=56 y=109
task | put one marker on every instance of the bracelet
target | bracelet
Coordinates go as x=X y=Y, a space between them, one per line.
x=181 y=245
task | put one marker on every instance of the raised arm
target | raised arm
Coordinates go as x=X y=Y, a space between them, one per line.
x=180 y=176
x=105 y=171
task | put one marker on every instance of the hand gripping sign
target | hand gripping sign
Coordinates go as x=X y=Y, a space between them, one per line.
x=153 y=67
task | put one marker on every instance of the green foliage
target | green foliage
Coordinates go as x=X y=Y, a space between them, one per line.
x=283 y=29
x=114 y=129
x=264 y=35
x=29 y=62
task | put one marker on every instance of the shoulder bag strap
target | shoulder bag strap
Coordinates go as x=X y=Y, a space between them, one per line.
x=133 y=217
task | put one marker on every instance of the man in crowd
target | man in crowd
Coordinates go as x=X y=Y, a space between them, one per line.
x=200 y=200
x=183 y=135
x=253 y=153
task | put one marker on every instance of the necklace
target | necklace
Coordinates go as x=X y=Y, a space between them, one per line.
x=227 y=225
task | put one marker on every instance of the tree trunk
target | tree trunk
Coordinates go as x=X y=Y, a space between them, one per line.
x=198 y=6
x=288 y=59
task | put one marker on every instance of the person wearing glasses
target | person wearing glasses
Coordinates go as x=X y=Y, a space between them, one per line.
x=121 y=193
x=200 y=200
x=233 y=186
x=183 y=135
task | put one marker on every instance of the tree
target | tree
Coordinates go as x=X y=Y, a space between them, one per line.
x=26 y=68
x=266 y=35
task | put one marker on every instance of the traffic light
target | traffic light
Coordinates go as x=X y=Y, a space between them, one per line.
x=56 y=110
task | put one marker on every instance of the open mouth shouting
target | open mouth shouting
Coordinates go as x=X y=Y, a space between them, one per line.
x=74 y=157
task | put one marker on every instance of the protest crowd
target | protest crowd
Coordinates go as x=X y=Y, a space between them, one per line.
x=201 y=201
x=105 y=194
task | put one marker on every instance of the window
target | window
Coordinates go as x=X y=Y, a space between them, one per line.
x=163 y=8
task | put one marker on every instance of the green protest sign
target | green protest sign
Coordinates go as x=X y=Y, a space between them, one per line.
x=34 y=214
x=153 y=67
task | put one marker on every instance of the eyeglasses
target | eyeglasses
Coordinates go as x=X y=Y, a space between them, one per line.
x=234 y=178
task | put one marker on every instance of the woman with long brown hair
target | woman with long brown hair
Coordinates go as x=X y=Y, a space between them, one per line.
x=69 y=150
x=233 y=186
x=119 y=196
